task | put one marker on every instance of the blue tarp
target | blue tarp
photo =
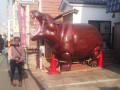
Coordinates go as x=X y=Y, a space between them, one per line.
x=113 y=6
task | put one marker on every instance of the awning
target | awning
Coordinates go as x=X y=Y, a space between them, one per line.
x=113 y=6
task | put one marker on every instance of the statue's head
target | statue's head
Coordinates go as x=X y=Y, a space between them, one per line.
x=46 y=23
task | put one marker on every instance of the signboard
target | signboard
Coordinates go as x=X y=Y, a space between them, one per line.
x=22 y=24
x=26 y=1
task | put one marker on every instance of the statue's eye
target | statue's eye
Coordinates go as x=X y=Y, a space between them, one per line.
x=51 y=25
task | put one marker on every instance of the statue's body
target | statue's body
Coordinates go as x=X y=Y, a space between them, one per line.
x=69 y=40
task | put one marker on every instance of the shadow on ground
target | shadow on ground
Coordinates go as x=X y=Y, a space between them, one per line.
x=26 y=76
x=109 y=88
x=41 y=87
x=16 y=77
x=114 y=68
x=110 y=62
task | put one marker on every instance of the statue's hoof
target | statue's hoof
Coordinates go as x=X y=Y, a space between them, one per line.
x=65 y=67
x=84 y=62
x=57 y=64
x=93 y=63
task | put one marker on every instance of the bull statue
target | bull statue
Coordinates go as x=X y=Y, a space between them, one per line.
x=69 y=41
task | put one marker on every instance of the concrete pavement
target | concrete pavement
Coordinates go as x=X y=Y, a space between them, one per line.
x=28 y=81
x=4 y=76
x=107 y=78
x=100 y=79
x=1 y=58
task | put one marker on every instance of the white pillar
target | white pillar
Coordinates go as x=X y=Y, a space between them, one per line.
x=9 y=53
x=8 y=30
x=40 y=5
x=41 y=53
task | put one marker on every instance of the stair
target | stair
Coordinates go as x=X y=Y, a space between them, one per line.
x=108 y=57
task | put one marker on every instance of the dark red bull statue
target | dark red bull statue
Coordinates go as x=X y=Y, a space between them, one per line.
x=69 y=41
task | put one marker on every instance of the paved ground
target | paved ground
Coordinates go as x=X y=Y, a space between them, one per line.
x=28 y=81
x=107 y=78
x=4 y=76
x=100 y=79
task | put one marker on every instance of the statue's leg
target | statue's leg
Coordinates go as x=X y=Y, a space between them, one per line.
x=67 y=66
x=95 y=57
x=57 y=63
x=83 y=62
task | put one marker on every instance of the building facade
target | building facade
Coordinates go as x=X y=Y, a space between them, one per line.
x=22 y=25
x=113 y=6
x=92 y=12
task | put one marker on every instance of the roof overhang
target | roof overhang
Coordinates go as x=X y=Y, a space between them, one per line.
x=69 y=3
x=63 y=4
x=113 y=6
